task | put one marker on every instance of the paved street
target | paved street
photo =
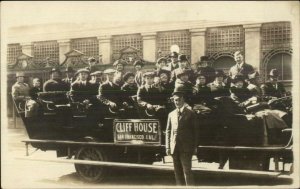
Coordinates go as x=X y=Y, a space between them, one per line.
x=29 y=174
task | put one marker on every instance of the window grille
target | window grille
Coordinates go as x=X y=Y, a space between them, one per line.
x=13 y=52
x=88 y=46
x=45 y=51
x=165 y=40
x=119 y=42
x=225 y=39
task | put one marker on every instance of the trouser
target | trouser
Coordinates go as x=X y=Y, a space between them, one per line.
x=183 y=167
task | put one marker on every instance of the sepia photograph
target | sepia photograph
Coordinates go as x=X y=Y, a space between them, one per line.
x=150 y=94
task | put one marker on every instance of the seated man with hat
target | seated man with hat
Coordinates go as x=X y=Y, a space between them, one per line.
x=129 y=88
x=138 y=78
x=273 y=88
x=20 y=90
x=119 y=65
x=55 y=83
x=82 y=89
x=109 y=93
x=206 y=69
x=218 y=87
x=148 y=95
x=183 y=65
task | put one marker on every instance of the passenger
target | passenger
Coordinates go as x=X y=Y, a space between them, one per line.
x=166 y=87
x=119 y=65
x=55 y=83
x=239 y=92
x=69 y=79
x=206 y=69
x=183 y=65
x=183 y=84
x=82 y=89
x=174 y=62
x=129 y=88
x=96 y=79
x=241 y=67
x=201 y=92
x=110 y=93
x=218 y=87
x=138 y=78
x=254 y=83
x=161 y=64
x=36 y=82
x=273 y=88
x=147 y=94
x=20 y=90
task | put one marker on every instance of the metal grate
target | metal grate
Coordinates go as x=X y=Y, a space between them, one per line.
x=120 y=42
x=165 y=40
x=45 y=51
x=13 y=52
x=88 y=46
x=225 y=39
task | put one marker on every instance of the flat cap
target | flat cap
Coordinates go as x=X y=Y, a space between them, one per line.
x=82 y=70
x=149 y=74
x=138 y=62
x=96 y=73
x=20 y=74
x=182 y=57
x=109 y=71
x=127 y=75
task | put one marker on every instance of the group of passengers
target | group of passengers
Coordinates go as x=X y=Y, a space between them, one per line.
x=153 y=88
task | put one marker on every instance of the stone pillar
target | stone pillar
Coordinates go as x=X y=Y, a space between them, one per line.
x=149 y=46
x=105 y=48
x=197 y=44
x=64 y=47
x=27 y=48
x=252 y=45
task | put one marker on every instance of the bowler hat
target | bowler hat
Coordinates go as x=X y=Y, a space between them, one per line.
x=182 y=57
x=138 y=62
x=55 y=70
x=20 y=74
x=127 y=75
x=274 y=73
x=178 y=91
x=82 y=70
x=219 y=73
x=109 y=71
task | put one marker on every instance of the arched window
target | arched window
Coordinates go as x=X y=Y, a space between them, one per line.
x=224 y=63
x=282 y=62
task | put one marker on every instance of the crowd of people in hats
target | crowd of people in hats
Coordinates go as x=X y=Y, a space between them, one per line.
x=199 y=82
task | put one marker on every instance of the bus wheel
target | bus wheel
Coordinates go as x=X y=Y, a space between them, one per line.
x=91 y=173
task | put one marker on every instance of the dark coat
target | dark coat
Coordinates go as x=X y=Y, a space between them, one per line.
x=245 y=70
x=182 y=132
x=81 y=92
x=218 y=91
x=33 y=92
x=269 y=90
x=68 y=81
x=242 y=94
x=202 y=94
x=55 y=85
x=187 y=88
x=208 y=72
x=149 y=95
x=108 y=93
x=129 y=90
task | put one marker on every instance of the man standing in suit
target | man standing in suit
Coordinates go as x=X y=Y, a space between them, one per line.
x=241 y=68
x=181 y=139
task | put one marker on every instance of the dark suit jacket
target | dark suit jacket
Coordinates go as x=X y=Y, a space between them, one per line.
x=108 y=93
x=81 y=92
x=55 y=85
x=182 y=132
x=202 y=94
x=33 y=92
x=150 y=95
x=269 y=90
x=244 y=70
x=129 y=90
